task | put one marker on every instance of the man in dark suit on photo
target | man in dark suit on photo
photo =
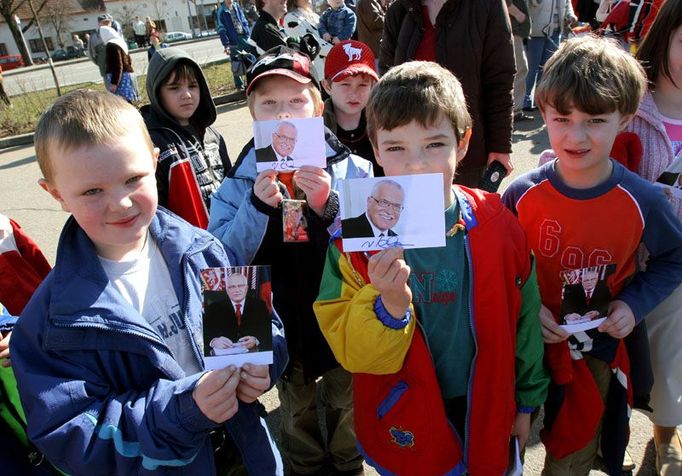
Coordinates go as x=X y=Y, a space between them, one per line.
x=233 y=319
x=591 y=294
x=282 y=145
x=384 y=206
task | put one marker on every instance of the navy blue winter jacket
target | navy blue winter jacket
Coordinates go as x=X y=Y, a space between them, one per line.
x=101 y=390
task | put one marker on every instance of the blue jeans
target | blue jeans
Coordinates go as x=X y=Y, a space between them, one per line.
x=538 y=51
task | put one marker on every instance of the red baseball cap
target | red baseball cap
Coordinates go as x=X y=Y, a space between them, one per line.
x=281 y=61
x=349 y=58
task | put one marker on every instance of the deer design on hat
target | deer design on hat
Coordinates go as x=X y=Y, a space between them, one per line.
x=353 y=53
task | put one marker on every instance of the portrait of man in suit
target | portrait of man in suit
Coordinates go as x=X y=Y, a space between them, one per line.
x=584 y=298
x=384 y=206
x=234 y=321
x=281 y=147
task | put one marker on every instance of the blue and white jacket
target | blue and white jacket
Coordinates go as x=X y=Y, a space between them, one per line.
x=252 y=234
x=101 y=390
x=226 y=29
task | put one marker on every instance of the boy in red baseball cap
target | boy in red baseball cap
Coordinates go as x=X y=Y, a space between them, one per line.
x=350 y=75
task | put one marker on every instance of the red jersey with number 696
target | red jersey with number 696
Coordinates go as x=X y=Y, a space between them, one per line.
x=571 y=229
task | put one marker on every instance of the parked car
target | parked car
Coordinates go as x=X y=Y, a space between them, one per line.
x=173 y=36
x=67 y=53
x=11 y=62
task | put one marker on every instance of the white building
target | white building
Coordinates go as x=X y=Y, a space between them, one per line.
x=191 y=16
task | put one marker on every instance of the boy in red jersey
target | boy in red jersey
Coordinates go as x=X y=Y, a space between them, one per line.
x=582 y=210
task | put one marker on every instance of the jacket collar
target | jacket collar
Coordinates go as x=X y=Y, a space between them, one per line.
x=81 y=283
x=649 y=112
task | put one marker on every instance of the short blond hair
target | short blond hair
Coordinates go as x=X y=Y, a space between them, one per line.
x=314 y=93
x=419 y=91
x=82 y=118
x=594 y=75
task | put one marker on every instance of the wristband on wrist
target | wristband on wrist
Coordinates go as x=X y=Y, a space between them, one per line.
x=386 y=319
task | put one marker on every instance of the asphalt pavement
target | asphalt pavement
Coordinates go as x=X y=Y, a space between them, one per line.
x=22 y=199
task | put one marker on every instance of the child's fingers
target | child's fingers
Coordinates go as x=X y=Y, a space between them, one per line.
x=256 y=370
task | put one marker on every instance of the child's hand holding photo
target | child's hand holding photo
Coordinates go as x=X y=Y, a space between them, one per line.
x=389 y=273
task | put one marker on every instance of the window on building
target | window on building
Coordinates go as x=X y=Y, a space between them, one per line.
x=36 y=45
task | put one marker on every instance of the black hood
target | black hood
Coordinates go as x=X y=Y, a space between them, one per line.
x=162 y=63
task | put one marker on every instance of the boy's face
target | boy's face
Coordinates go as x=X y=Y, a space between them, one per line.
x=415 y=149
x=111 y=191
x=350 y=95
x=180 y=98
x=335 y=3
x=279 y=97
x=582 y=141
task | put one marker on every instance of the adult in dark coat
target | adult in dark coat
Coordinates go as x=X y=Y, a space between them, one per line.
x=266 y=32
x=471 y=38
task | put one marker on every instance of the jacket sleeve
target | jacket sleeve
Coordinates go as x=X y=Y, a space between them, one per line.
x=497 y=79
x=392 y=23
x=345 y=312
x=83 y=425
x=235 y=221
x=663 y=240
x=322 y=27
x=349 y=24
x=532 y=379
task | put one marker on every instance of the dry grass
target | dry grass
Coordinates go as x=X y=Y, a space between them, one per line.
x=28 y=107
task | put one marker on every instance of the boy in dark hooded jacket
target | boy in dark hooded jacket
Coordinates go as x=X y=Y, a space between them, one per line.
x=193 y=157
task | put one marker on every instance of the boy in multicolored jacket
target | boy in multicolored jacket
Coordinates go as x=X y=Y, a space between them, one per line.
x=484 y=340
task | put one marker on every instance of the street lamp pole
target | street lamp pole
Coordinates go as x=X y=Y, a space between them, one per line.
x=23 y=41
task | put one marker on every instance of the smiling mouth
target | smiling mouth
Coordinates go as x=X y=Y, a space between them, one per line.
x=124 y=221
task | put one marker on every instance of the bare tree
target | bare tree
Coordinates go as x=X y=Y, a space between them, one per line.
x=125 y=14
x=57 y=14
x=8 y=10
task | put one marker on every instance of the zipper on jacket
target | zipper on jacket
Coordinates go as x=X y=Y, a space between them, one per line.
x=185 y=305
x=472 y=367
x=101 y=327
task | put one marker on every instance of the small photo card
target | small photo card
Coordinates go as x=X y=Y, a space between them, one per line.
x=384 y=212
x=237 y=316
x=585 y=297
x=286 y=145
x=294 y=223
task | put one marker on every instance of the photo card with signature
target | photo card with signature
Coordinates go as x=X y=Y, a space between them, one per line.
x=287 y=144
x=237 y=324
x=585 y=297
x=384 y=212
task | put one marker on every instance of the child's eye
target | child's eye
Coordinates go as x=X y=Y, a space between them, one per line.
x=597 y=120
x=560 y=119
x=91 y=192
x=298 y=100
x=394 y=148
x=137 y=178
x=268 y=102
x=434 y=145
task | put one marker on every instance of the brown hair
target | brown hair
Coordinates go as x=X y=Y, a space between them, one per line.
x=594 y=75
x=419 y=91
x=117 y=62
x=182 y=71
x=654 y=52
x=84 y=118
x=314 y=92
